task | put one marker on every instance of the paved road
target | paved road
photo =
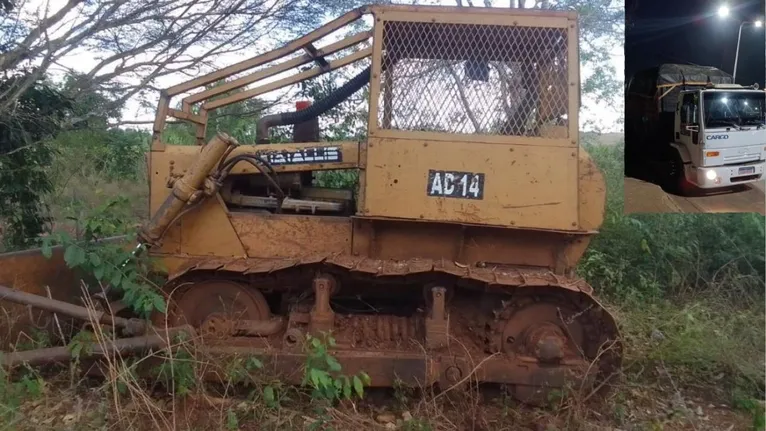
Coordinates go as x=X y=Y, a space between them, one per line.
x=642 y=196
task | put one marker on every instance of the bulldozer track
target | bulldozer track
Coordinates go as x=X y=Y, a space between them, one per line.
x=490 y=275
x=491 y=310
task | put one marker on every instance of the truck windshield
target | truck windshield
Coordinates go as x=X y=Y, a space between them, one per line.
x=734 y=108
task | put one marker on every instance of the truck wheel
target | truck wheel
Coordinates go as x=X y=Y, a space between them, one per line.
x=675 y=179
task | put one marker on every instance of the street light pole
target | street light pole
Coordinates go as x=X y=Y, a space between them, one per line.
x=736 y=55
x=757 y=23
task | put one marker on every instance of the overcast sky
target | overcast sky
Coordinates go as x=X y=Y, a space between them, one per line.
x=604 y=115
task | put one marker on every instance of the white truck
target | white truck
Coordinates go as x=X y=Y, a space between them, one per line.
x=691 y=125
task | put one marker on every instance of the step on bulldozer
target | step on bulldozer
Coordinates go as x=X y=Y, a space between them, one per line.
x=454 y=256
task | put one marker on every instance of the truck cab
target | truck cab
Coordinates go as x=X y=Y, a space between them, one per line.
x=720 y=135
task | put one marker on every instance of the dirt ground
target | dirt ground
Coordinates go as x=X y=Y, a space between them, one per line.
x=634 y=407
x=645 y=197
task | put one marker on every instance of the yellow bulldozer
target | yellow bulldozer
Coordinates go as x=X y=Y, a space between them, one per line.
x=454 y=258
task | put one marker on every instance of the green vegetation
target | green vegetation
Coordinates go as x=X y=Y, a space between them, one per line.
x=687 y=289
x=24 y=156
x=688 y=292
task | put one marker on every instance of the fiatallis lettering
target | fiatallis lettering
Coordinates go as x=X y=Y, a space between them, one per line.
x=305 y=155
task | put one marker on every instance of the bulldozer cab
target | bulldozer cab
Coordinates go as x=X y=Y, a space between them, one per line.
x=473 y=118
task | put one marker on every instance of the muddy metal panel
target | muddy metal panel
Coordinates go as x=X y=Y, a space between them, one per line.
x=501 y=185
x=266 y=235
x=30 y=271
x=470 y=245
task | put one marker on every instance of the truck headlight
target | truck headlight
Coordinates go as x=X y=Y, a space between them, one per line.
x=710 y=175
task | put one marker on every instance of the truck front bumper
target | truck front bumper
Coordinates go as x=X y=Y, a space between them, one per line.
x=724 y=176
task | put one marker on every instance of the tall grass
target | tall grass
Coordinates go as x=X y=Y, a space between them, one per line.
x=688 y=289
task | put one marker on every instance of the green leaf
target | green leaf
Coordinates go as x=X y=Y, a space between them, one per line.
x=70 y=256
x=358 y=387
x=64 y=237
x=332 y=363
x=47 y=250
x=315 y=376
x=80 y=256
x=269 y=396
x=232 y=423
x=159 y=302
x=129 y=296
x=645 y=246
x=365 y=378
x=95 y=259
x=253 y=363
x=346 y=387
x=75 y=348
x=116 y=279
x=98 y=272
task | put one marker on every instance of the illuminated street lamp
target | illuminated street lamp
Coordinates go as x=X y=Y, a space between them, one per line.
x=756 y=24
x=723 y=12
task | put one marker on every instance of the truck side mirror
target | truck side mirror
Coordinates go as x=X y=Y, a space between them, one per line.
x=693 y=128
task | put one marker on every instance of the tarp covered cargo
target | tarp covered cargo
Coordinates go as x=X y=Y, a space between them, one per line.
x=685 y=73
x=665 y=76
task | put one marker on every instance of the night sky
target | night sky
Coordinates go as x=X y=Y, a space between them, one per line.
x=690 y=31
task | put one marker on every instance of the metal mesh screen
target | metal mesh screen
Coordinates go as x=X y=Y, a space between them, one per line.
x=474 y=79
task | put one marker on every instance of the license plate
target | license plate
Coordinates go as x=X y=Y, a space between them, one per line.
x=452 y=184
x=747 y=170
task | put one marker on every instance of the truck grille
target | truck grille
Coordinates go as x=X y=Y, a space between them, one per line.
x=740 y=158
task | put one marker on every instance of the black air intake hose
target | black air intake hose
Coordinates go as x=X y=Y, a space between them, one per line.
x=313 y=111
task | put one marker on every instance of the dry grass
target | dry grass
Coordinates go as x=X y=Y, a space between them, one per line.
x=658 y=391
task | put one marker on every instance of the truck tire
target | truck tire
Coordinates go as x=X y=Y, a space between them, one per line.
x=675 y=180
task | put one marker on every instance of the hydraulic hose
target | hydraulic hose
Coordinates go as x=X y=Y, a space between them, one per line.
x=316 y=109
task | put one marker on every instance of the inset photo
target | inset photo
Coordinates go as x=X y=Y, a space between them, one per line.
x=695 y=122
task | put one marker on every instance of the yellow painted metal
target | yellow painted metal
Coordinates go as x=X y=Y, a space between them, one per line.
x=208 y=232
x=524 y=187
